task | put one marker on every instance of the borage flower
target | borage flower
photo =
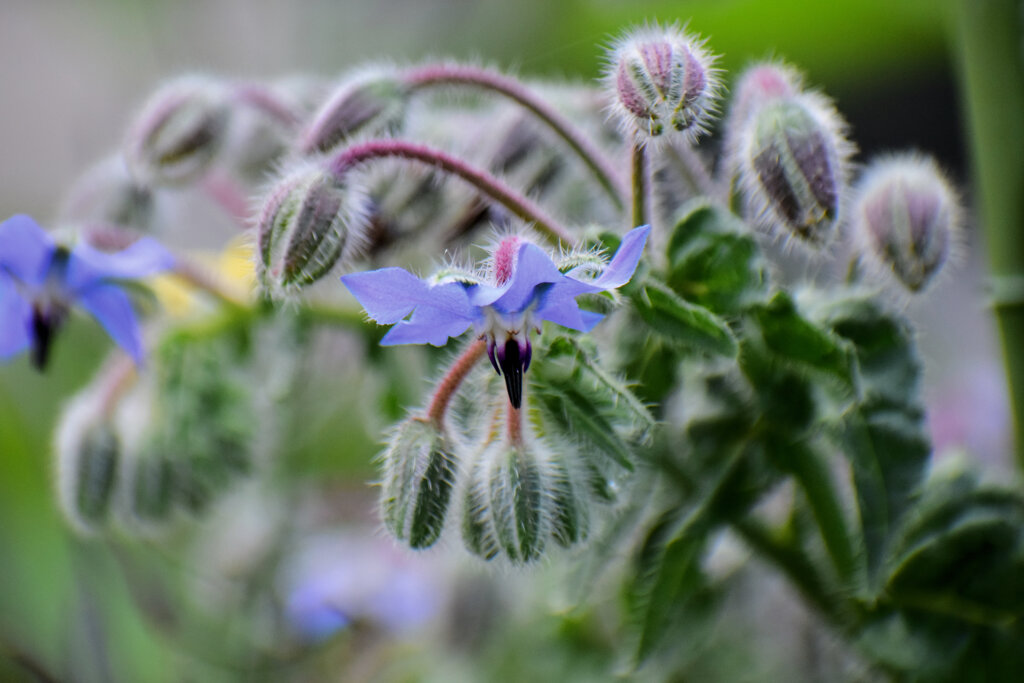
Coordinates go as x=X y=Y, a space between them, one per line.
x=40 y=280
x=525 y=289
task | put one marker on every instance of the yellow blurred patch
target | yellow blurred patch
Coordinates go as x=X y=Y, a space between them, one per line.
x=231 y=271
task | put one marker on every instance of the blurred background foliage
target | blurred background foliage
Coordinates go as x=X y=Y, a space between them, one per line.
x=73 y=73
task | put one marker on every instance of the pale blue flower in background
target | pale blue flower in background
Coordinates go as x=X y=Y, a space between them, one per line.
x=40 y=280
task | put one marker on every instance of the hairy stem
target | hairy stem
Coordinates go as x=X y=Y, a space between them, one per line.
x=463 y=75
x=992 y=75
x=484 y=182
x=639 y=167
x=449 y=384
x=226 y=193
x=514 y=425
x=118 y=377
x=687 y=161
x=203 y=280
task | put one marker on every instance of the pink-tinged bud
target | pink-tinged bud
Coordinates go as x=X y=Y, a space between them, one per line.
x=906 y=218
x=179 y=132
x=792 y=158
x=310 y=220
x=759 y=84
x=370 y=101
x=663 y=82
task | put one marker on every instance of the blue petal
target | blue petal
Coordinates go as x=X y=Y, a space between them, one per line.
x=624 y=263
x=15 y=319
x=25 y=249
x=533 y=268
x=427 y=326
x=390 y=294
x=112 y=309
x=88 y=265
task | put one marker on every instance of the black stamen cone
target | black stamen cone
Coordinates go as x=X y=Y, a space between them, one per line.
x=43 y=328
x=512 y=368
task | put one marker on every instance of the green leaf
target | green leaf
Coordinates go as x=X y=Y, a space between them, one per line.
x=681 y=323
x=666 y=572
x=801 y=344
x=714 y=260
x=962 y=553
x=883 y=436
x=575 y=416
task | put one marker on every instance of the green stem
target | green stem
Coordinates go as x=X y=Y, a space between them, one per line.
x=788 y=558
x=992 y=72
x=458 y=74
x=819 y=488
x=639 y=166
x=793 y=563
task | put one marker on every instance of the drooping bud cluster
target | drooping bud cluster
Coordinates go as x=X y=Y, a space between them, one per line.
x=664 y=82
x=371 y=101
x=788 y=148
x=141 y=455
x=310 y=220
x=906 y=218
x=179 y=131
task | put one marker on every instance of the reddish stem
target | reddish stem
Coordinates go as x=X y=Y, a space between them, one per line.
x=455 y=74
x=222 y=189
x=262 y=99
x=118 y=377
x=514 y=423
x=452 y=379
x=483 y=181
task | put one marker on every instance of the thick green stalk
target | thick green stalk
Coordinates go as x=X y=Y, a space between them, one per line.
x=992 y=71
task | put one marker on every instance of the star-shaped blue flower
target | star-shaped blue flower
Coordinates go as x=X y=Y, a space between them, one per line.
x=40 y=280
x=527 y=288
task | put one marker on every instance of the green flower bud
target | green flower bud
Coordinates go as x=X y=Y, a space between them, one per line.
x=179 y=132
x=151 y=488
x=88 y=465
x=309 y=222
x=794 y=166
x=420 y=469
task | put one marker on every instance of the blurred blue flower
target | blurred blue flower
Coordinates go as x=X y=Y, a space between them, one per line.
x=339 y=579
x=527 y=288
x=40 y=280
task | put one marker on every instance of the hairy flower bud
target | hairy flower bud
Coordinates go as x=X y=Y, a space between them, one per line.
x=88 y=464
x=906 y=218
x=310 y=220
x=179 y=132
x=420 y=469
x=757 y=85
x=792 y=160
x=518 y=496
x=371 y=100
x=570 y=519
x=151 y=488
x=108 y=195
x=663 y=81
